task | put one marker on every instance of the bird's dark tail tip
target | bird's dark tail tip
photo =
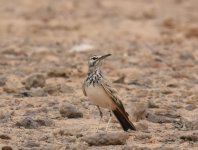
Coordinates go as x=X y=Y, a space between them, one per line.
x=124 y=120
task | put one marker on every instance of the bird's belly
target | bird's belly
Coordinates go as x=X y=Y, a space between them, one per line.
x=99 y=97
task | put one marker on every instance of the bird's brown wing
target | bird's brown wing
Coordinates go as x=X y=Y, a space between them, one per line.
x=112 y=93
x=83 y=89
x=118 y=110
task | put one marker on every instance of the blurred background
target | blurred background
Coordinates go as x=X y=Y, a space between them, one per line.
x=64 y=28
x=45 y=45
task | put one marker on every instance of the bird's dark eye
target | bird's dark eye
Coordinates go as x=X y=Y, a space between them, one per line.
x=94 y=58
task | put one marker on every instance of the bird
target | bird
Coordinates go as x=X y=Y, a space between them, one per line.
x=101 y=93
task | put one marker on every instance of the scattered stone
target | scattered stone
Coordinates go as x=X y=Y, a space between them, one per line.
x=27 y=123
x=59 y=72
x=34 y=81
x=70 y=111
x=190 y=107
x=5 y=137
x=99 y=139
x=192 y=137
x=7 y=148
x=13 y=84
x=158 y=119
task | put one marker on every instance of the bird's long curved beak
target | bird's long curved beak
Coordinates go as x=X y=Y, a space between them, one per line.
x=104 y=56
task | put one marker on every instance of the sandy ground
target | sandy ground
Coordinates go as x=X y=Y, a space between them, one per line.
x=44 y=48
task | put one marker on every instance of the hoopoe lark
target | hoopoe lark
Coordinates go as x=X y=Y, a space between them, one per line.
x=102 y=94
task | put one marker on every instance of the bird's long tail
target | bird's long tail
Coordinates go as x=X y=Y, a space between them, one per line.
x=124 y=120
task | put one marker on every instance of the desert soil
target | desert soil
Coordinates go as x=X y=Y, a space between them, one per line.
x=44 y=48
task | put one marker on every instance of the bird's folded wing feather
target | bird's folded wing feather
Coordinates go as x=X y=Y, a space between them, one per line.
x=112 y=93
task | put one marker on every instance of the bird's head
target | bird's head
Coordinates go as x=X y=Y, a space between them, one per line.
x=95 y=61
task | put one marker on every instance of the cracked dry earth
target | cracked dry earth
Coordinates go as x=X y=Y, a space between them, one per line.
x=44 y=47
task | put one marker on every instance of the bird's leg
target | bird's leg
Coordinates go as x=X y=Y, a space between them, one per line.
x=109 y=121
x=100 y=119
